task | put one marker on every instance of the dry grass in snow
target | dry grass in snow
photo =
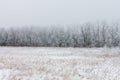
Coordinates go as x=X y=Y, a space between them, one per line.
x=22 y=63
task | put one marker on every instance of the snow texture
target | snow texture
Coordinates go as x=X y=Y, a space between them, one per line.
x=35 y=63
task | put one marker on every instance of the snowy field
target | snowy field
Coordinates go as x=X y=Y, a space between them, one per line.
x=34 y=63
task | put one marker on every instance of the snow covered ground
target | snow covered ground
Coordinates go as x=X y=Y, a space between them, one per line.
x=35 y=63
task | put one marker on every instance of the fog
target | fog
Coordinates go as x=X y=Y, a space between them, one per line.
x=57 y=12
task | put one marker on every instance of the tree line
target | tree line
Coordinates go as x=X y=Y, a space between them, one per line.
x=84 y=35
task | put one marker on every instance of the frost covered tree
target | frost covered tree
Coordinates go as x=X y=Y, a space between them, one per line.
x=85 y=35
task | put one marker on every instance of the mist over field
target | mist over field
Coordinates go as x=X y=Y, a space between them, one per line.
x=57 y=12
x=59 y=40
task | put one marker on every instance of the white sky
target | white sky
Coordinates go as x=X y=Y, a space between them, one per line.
x=57 y=12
